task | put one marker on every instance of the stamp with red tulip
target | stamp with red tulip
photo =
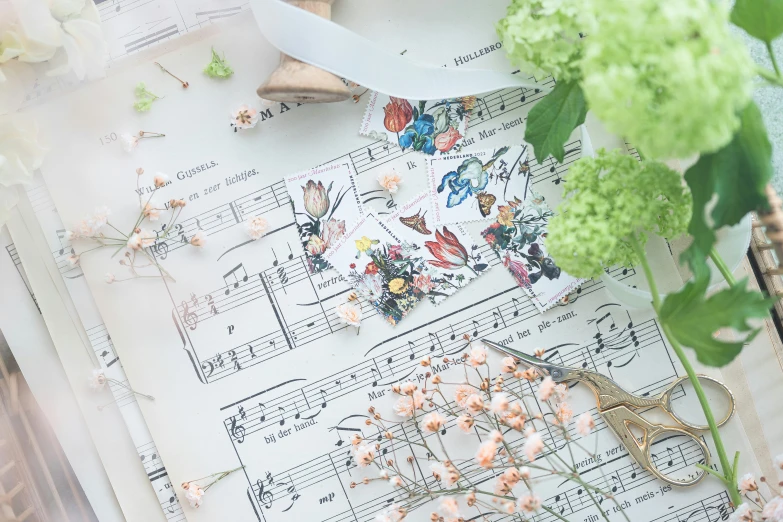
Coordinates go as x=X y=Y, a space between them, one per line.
x=451 y=257
x=325 y=200
x=384 y=270
x=429 y=127
x=469 y=186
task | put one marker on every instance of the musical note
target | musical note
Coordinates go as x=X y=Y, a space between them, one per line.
x=373 y=371
x=433 y=339
x=274 y=254
x=369 y=153
x=453 y=335
x=323 y=404
x=411 y=346
x=476 y=325
x=60 y=236
x=282 y=415
x=497 y=317
x=291 y=252
x=515 y=301
x=502 y=102
x=262 y=416
x=233 y=273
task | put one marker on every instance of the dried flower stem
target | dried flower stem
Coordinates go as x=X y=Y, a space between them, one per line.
x=184 y=83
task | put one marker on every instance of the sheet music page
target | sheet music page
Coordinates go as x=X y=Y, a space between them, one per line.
x=244 y=354
x=27 y=336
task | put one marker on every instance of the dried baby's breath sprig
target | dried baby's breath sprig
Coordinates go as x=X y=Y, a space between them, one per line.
x=140 y=244
x=510 y=437
x=218 y=67
x=98 y=380
x=195 y=492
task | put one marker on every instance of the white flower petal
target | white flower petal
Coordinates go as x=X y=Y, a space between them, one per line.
x=85 y=39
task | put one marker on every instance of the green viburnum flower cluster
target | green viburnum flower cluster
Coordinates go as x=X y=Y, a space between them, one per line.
x=144 y=98
x=218 y=67
x=543 y=36
x=669 y=76
x=600 y=214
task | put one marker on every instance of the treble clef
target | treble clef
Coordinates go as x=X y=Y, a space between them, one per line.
x=190 y=318
x=237 y=431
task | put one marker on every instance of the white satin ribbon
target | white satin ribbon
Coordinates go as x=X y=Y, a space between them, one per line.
x=342 y=52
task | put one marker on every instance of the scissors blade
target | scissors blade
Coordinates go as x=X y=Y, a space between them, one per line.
x=557 y=372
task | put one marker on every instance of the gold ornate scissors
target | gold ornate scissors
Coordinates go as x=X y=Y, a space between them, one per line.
x=616 y=407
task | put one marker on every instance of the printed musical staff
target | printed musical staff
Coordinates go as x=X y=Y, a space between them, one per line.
x=395 y=364
x=11 y=249
x=322 y=321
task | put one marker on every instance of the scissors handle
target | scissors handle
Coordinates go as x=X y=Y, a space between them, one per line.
x=621 y=418
x=666 y=402
x=609 y=394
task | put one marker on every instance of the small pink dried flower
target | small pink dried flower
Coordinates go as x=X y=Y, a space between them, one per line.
x=534 y=444
x=256 y=227
x=508 y=365
x=546 y=388
x=449 y=508
x=585 y=424
x=465 y=423
x=747 y=483
x=474 y=404
x=194 y=493
x=499 y=403
x=350 y=314
x=390 y=181
x=199 y=239
x=478 y=356
x=433 y=422
x=73 y=260
x=98 y=379
x=461 y=394
x=408 y=387
x=486 y=454
x=426 y=361
x=356 y=439
x=564 y=413
x=529 y=503
x=160 y=180
x=109 y=278
x=364 y=454
x=495 y=436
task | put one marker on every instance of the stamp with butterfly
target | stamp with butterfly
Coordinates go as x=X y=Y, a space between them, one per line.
x=451 y=258
x=470 y=186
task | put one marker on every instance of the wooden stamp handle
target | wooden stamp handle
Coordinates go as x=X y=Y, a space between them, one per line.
x=295 y=81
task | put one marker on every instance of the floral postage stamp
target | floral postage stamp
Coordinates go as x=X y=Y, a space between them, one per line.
x=431 y=127
x=470 y=186
x=382 y=268
x=325 y=199
x=451 y=257
x=518 y=237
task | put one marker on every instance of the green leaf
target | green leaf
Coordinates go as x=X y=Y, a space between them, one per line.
x=762 y=19
x=738 y=173
x=693 y=320
x=552 y=120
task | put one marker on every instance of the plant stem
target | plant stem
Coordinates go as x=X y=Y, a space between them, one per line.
x=772 y=78
x=772 y=58
x=728 y=470
x=722 y=268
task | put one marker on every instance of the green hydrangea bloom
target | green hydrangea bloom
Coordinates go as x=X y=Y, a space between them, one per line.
x=218 y=68
x=669 y=76
x=610 y=198
x=143 y=104
x=144 y=98
x=543 y=36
